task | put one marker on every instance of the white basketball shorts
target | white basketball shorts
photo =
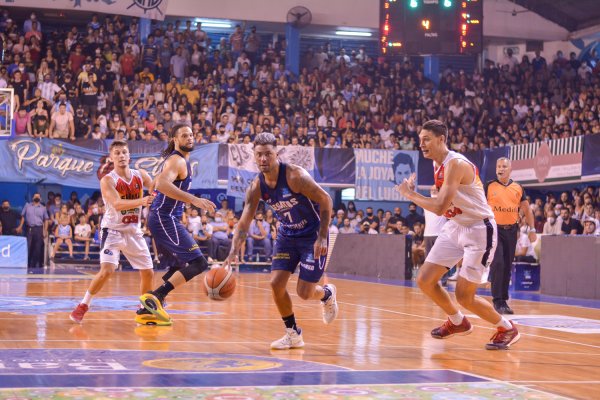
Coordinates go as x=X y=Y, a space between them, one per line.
x=475 y=245
x=132 y=244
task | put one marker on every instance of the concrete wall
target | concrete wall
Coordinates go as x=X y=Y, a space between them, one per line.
x=374 y=256
x=354 y=13
x=523 y=26
x=570 y=266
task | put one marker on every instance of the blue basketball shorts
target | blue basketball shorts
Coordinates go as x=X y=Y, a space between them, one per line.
x=289 y=252
x=171 y=236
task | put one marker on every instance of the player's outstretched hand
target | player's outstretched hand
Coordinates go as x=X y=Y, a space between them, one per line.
x=204 y=204
x=147 y=201
x=232 y=259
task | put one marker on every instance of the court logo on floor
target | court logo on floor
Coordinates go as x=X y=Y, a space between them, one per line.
x=36 y=305
x=560 y=323
x=213 y=364
x=75 y=362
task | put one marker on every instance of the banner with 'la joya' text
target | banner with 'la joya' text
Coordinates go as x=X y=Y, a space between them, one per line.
x=379 y=171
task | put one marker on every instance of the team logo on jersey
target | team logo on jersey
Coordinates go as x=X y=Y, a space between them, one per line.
x=265 y=196
x=285 y=192
x=108 y=252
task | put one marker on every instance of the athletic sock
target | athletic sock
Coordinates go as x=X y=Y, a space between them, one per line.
x=290 y=323
x=163 y=290
x=327 y=294
x=504 y=323
x=87 y=299
x=457 y=318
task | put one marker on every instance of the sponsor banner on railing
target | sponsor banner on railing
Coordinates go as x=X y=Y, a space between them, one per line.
x=57 y=162
x=554 y=161
x=243 y=169
x=13 y=252
x=378 y=171
x=152 y=9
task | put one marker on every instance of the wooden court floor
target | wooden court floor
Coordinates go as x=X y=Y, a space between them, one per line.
x=379 y=345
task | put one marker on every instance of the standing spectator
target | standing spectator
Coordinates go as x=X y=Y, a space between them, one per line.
x=178 y=65
x=259 y=233
x=88 y=91
x=252 y=45
x=9 y=220
x=36 y=220
x=62 y=125
x=22 y=122
x=220 y=237
x=236 y=40
x=150 y=55
x=506 y=197
x=28 y=24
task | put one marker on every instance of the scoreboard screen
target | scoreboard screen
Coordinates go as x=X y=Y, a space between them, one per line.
x=431 y=27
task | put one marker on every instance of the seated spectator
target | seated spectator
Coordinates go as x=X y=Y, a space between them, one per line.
x=194 y=222
x=259 y=233
x=553 y=225
x=525 y=251
x=205 y=232
x=346 y=227
x=219 y=238
x=590 y=227
x=63 y=233
x=570 y=226
x=83 y=233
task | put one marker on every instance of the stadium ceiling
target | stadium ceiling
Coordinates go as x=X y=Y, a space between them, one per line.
x=573 y=15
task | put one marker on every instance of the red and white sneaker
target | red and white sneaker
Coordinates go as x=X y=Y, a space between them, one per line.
x=448 y=329
x=504 y=338
x=79 y=312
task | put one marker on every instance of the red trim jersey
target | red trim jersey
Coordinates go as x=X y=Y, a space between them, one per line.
x=125 y=220
x=469 y=205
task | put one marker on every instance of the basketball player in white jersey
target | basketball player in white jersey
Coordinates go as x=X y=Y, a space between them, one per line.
x=123 y=194
x=470 y=235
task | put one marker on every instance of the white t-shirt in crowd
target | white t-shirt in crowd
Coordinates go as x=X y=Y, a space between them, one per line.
x=84 y=230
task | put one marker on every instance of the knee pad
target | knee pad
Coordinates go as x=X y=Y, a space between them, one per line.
x=194 y=267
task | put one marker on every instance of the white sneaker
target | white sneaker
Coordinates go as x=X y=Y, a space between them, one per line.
x=330 y=307
x=291 y=340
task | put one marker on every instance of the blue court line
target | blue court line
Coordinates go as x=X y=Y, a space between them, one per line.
x=517 y=295
x=238 y=379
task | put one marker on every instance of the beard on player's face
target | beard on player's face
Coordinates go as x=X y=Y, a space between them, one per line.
x=186 y=148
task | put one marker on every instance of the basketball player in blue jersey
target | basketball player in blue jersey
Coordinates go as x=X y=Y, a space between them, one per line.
x=304 y=211
x=172 y=185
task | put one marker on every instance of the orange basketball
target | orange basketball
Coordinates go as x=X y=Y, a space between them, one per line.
x=219 y=283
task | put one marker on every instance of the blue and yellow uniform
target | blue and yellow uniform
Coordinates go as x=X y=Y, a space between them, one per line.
x=164 y=221
x=300 y=222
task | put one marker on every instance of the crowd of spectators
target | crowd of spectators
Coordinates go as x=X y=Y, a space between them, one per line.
x=102 y=80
